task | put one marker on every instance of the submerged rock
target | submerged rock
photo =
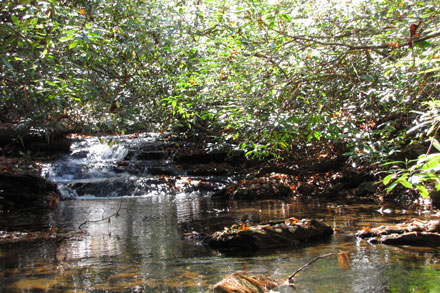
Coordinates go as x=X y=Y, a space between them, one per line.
x=239 y=282
x=412 y=232
x=291 y=232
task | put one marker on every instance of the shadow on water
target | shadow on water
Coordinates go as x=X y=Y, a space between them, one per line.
x=143 y=250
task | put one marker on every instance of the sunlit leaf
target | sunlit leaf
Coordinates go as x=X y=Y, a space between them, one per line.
x=344 y=260
x=317 y=135
x=283 y=145
x=391 y=187
x=436 y=143
x=423 y=191
x=405 y=183
x=53 y=230
x=73 y=44
x=388 y=178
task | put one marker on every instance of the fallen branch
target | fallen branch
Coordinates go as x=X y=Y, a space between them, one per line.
x=116 y=214
x=290 y=280
x=239 y=282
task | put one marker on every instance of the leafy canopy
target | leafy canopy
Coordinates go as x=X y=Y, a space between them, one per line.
x=270 y=76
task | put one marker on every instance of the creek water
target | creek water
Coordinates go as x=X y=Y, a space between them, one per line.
x=142 y=249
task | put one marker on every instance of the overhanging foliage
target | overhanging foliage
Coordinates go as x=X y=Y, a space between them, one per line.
x=270 y=76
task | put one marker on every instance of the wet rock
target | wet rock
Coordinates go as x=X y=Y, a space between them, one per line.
x=291 y=232
x=22 y=189
x=152 y=156
x=17 y=236
x=122 y=186
x=366 y=187
x=201 y=157
x=239 y=282
x=409 y=238
x=258 y=188
x=211 y=169
x=412 y=232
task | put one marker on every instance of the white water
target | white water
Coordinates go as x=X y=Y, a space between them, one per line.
x=113 y=167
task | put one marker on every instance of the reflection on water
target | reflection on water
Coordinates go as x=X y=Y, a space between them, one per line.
x=143 y=250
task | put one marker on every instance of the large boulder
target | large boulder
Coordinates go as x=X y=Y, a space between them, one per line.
x=290 y=232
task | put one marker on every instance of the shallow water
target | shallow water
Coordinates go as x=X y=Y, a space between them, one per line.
x=141 y=249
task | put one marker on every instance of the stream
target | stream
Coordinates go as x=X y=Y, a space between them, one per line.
x=141 y=248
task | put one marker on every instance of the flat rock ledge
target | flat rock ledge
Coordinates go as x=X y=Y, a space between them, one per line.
x=412 y=232
x=290 y=232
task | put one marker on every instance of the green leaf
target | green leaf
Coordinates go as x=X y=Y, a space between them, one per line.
x=15 y=20
x=6 y=62
x=392 y=163
x=423 y=44
x=73 y=44
x=283 y=145
x=404 y=182
x=388 y=178
x=431 y=70
x=391 y=187
x=431 y=163
x=44 y=53
x=423 y=191
x=317 y=135
x=436 y=144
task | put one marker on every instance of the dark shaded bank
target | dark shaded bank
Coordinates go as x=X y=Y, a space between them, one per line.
x=14 y=142
x=25 y=190
x=22 y=189
x=26 y=198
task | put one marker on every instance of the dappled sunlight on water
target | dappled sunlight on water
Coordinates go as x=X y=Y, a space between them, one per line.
x=142 y=249
x=132 y=225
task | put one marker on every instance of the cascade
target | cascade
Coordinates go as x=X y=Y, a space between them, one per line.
x=118 y=166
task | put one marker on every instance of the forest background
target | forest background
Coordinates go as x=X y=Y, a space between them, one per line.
x=276 y=79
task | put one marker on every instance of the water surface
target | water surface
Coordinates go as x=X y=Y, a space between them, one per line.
x=142 y=249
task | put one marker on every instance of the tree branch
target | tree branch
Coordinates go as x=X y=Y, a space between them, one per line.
x=367 y=47
x=273 y=63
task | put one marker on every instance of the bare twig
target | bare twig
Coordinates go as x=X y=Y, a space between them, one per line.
x=116 y=214
x=290 y=280
x=273 y=63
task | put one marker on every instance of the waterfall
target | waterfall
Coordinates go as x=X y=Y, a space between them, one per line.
x=123 y=166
